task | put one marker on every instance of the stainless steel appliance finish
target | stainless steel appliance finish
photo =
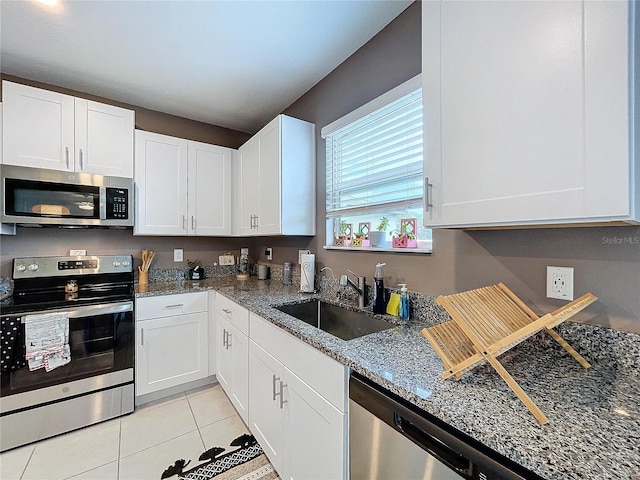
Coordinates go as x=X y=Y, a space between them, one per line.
x=333 y=319
x=390 y=439
x=36 y=196
x=97 y=384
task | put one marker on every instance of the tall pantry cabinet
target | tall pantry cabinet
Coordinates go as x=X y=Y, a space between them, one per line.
x=530 y=113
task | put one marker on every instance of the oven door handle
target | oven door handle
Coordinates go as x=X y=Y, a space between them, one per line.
x=91 y=310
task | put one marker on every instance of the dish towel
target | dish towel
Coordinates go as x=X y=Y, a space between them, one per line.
x=47 y=340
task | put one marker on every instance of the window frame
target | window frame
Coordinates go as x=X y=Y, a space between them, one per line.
x=374 y=105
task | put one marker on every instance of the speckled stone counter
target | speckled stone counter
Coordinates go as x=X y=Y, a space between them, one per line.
x=594 y=414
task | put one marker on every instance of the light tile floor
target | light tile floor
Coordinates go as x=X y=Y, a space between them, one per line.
x=139 y=446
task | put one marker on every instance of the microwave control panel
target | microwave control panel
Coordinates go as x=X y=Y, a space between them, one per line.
x=117 y=203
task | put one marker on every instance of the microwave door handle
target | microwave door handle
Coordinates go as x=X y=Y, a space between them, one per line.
x=103 y=203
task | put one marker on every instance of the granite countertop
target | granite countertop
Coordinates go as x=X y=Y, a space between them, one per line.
x=594 y=415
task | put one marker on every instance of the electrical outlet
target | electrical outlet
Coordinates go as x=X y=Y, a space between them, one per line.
x=178 y=254
x=244 y=251
x=268 y=253
x=560 y=283
x=300 y=253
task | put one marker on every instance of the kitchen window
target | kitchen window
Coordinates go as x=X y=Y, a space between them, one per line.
x=374 y=171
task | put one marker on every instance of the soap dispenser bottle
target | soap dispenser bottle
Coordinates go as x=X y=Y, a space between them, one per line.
x=379 y=303
x=404 y=302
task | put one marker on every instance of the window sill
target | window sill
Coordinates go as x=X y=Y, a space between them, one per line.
x=420 y=251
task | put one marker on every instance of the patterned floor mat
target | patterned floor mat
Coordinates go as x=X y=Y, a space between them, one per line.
x=248 y=462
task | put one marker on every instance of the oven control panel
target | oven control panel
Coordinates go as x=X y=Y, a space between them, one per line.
x=77 y=264
x=39 y=267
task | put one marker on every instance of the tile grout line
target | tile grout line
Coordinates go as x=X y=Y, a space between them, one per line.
x=24 y=470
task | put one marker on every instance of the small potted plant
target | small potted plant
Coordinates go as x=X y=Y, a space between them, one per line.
x=344 y=237
x=406 y=237
x=378 y=237
x=361 y=239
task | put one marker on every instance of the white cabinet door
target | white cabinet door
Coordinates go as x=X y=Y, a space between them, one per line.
x=213 y=332
x=103 y=139
x=38 y=127
x=248 y=186
x=526 y=112
x=313 y=425
x=266 y=384
x=161 y=184
x=269 y=177
x=209 y=189
x=224 y=357
x=233 y=366
x=240 y=358
x=171 y=351
x=275 y=180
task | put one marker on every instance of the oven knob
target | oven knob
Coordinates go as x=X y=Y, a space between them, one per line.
x=33 y=267
x=21 y=268
x=116 y=263
x=125 y=263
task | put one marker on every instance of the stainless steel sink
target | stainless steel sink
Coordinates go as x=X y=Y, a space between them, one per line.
x=338 y=321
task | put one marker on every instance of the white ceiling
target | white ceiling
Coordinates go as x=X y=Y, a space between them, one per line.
x=235 y=64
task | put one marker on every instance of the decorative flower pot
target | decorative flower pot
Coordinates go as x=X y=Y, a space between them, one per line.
x=356 y=241
x=400 y=242
x=377 y=238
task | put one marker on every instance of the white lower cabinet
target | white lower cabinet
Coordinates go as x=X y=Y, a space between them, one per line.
x=302 y=433
x=171 y=341
x=232 y=353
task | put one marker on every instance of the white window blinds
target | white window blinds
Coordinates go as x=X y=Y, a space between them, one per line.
x=375 y=161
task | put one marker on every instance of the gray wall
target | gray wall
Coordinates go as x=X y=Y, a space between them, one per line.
x=606 y=260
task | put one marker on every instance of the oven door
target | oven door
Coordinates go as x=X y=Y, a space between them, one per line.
x=101 y=339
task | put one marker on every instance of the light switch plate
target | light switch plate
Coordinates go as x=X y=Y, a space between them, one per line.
x=178 y=254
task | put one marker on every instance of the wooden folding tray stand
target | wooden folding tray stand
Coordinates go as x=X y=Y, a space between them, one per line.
x=489 y=321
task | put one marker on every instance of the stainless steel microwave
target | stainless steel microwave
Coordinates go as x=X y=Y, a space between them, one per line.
x=35 y=196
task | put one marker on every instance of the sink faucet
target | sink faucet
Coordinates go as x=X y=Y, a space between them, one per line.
x=361 y=287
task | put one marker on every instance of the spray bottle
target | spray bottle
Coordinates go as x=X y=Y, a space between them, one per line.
x=404 y=302
x=379 y=303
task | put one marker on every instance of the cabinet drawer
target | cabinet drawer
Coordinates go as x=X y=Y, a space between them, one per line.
x=324 y=374
x=234 y=313
x=170 y=305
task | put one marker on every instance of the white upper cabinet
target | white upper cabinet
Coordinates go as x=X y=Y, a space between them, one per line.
x=209 y=189
x=183 y=187
x=527 y=109
x=45 y=129
x=161 y=184
x=275 y=180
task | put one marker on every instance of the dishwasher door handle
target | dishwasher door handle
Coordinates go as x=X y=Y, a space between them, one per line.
x=435 y=447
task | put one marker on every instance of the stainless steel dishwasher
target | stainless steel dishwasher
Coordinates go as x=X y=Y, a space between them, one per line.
x=391 y=439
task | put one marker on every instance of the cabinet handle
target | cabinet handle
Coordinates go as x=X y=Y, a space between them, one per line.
x=184 y=222
x=227 y=311
x=228 y=340
x=66 y=156
x=256 y=220
x=175 y=305
x=81 y=160
x=275 y=379
x=193 y=222
x=426 y=195
x=224 y=337
x=282 y=400
x=142 y=336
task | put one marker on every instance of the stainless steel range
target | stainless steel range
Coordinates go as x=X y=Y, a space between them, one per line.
x=67 y=346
